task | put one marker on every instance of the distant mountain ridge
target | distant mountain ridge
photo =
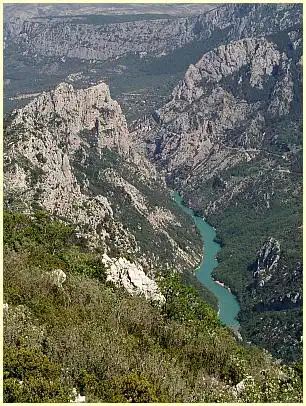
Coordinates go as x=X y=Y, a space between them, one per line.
x=158 y=37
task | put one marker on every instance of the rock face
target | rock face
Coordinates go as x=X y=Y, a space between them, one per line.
x=267 y=261
x=45 y=136
x=91 y=108
x=260 y=55
x=69 y=152
x=132 y=278
x=80 y=39
x=269 y=266
x=230 y=90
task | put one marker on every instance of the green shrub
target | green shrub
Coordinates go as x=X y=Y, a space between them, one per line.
x=112 y=346
x=133 y=388
x=29 y=376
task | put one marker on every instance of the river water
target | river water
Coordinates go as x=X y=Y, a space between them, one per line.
x=228 y=305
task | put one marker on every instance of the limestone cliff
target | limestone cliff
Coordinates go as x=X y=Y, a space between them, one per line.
x=269 y=268
x=218 y=113
x=69 y=152
x=267 y=261
x=41 y=142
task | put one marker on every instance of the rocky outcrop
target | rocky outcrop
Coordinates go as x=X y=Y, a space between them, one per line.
x=132 y=277
x=217 y=117
x=290 y=300
x=269 y=269
x=77 y=397
x=260 y=55
x=70 y=110
x=42 y=142
x=40 y=145
x=267 y=261
x=57 y=277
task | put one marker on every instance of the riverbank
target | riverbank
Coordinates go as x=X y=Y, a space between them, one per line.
x=222 y=284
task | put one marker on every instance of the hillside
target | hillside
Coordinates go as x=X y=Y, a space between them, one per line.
x=92 y=240
x=68 y=152
x=230 y=140
x=82 y=335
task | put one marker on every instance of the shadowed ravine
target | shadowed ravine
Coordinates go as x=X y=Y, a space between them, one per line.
x=227 y=302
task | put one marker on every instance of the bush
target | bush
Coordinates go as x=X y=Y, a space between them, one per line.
x=29 y=376
x=133 y=388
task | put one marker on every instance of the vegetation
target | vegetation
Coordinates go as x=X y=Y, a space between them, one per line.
x=270 y=205
x=30 y=377
x=152 y=241
x=239 y=226
x=110 y=346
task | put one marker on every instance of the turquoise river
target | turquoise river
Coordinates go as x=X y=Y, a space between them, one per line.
x=228 y=305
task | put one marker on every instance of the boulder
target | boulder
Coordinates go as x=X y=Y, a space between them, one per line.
x=132 y=277
x=58 y=277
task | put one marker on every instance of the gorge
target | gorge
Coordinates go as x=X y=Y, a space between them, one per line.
x=153 y=203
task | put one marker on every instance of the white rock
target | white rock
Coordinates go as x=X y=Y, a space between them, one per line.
x=62 y=115
x=132 y=277
x=58 y=277
x=78 y=398
x=240 y=387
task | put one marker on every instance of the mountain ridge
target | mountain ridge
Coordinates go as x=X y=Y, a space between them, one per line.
x=185 y=29
x=68 y=152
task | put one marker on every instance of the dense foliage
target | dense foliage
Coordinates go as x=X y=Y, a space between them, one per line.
x=93 y=336
x=270 y=204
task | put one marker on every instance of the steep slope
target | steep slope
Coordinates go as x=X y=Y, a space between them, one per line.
x=230 y=140
x=68 y=152
x=92 y=308
x=81 y=338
